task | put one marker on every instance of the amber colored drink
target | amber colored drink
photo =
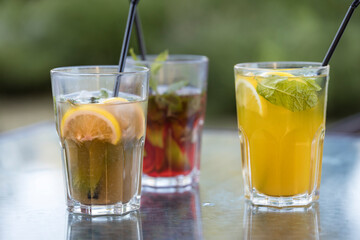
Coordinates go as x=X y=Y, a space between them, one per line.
x=102 y=143
x=101 y=121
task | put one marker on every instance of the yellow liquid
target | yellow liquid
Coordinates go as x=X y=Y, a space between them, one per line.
x=281 y=149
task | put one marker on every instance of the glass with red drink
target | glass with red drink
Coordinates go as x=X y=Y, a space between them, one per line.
x=176 y=110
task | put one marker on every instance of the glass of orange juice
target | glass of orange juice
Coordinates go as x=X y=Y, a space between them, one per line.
x=281 y=109
x=101 y=136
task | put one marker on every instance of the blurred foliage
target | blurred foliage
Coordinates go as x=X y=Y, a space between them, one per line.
x=37 y=35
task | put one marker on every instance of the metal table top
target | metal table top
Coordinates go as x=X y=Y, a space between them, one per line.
x=32 y=199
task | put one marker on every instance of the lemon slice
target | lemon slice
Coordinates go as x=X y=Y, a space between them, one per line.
x=130 y=116
x=86 y=123
x=247 y=96
x=281 y=74
x=115 y=100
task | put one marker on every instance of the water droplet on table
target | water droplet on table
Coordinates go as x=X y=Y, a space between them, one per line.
x=208 y=204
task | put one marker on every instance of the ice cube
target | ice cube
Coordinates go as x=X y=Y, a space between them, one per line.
x=84 y=96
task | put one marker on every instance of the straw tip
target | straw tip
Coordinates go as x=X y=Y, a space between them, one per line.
x=355 y=3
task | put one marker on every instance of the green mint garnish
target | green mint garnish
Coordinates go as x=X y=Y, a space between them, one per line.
x=133 y=55
x=295 y=95
x=170 y=101
x=312 y=83
x=94 y=99
x=155 y=68
x=104 y=93
x=176 y=86
x=71 y=101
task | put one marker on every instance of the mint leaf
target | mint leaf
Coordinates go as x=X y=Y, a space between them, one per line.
x=294 y=95
x=71 y=101
x=94 y=99
x=155 y=67
x=170 y=101
x=312 y=83
x=176 y=86
x=104 y=93
x=153 y=83
x=133 y=55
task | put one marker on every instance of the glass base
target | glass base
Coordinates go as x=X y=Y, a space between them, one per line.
x=100 y=210
x=305 y=199
x=178 y=181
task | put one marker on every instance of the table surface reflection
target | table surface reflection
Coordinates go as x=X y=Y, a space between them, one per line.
x=32 y=201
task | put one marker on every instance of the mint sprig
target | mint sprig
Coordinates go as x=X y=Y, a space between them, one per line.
x=104 y=93
x=168 y=99
x=176 y=86
x=171 y=102
x=154 y=68
x=296 y=95
x=133 y=55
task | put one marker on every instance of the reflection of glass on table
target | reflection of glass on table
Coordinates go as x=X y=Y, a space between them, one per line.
x=287 y=223
x=171 y=213
x=104 y=227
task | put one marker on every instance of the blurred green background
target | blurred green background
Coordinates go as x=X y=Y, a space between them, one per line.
x=37 y=35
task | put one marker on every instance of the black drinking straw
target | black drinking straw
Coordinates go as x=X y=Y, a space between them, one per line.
x=140 y=36
x=340 y=32
x=125 y=45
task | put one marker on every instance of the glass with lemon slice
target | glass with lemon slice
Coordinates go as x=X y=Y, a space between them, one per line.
x=281 y=110
x=102 y=137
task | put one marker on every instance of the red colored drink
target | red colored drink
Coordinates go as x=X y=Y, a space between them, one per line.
x=173 y=135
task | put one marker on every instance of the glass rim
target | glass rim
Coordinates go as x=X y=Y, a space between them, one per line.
x=64 y=70
x=302 y=65
x=173 y=59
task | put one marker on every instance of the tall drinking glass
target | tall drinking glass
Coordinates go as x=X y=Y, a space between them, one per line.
x=101 y=136
x=177 y=101
x=281 y=110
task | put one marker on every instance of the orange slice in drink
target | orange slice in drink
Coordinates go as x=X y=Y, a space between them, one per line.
x=130 y=116
x=247 y=97
x=281 y=74
x=89 y=122
x=115 y=100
